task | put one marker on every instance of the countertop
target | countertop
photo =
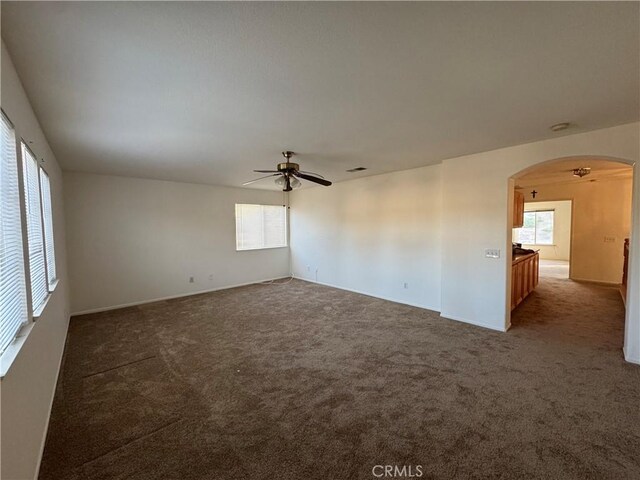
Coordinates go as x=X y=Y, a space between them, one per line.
x=523 y=256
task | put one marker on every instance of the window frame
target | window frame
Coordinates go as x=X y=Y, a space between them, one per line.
x=286 y=227
x=36 y=309
x=8 y=355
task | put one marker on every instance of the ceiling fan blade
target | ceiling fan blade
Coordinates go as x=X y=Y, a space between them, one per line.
x=311 y=173
x=321 y=181
x=266 y=171
x=261 y=178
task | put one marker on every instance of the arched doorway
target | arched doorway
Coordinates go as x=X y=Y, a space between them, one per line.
x=545 y=173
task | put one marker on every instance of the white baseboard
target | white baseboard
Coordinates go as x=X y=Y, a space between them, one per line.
x=595 y=282
x=629 y=358
x=473 y=322
x=171 y=297
x=395 y=300
x=53 y=395
x=368 y=294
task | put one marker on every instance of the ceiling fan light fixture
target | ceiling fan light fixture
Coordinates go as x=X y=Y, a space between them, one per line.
x=293 y=182
x=581 y=171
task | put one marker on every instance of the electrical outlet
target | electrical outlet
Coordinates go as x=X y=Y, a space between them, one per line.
x=210 y=277
x=308 y=268
x=191 y=280
x=608 y=239
x=492 y=253
x=406 y=285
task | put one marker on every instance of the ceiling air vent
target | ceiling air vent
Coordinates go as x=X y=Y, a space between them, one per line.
x=357 y=169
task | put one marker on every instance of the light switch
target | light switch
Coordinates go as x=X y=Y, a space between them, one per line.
x=492 y=253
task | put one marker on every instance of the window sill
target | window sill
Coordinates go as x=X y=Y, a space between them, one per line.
x=9 y=355
x=38 y=311
x=259 y=248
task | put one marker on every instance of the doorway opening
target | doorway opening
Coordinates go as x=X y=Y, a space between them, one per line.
x=547 y=229
x=570 y=230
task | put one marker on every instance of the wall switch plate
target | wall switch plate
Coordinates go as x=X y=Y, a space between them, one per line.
x=406 y=285
x=191 y=279
x=492 y=253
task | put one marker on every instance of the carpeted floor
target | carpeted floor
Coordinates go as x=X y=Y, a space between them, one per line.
x=301 y=381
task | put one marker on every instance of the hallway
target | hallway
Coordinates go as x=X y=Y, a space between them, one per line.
x=580 y=315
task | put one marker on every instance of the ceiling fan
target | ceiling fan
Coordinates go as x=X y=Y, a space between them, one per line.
x=288 y=174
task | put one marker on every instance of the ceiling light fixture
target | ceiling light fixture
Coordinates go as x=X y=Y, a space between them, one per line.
x=559 y=126
x=293 y=181
x=581 y=172
x=357 y=169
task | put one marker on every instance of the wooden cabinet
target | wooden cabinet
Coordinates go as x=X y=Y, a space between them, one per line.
x=524 y=277
x=518 y=209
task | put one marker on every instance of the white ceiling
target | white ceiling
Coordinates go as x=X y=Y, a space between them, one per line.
x=206 y=92
x=561 y=172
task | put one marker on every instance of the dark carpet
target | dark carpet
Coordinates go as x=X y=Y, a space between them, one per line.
x=301 y=381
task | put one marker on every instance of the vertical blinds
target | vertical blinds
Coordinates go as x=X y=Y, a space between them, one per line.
x=45 y=186
x=260 y=226
x=39 y=288
x=13 y=293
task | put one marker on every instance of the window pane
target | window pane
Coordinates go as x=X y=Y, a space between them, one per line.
x=260 y=226
x=13 y=289
x=527 y=236
x=529 y=220
x=35 y=237
x=248 y=227
x=544 y=228
x=275 y=226
x=48 y=228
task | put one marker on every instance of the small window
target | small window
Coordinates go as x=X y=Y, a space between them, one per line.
x=13 y=289
x=537 y=228
x=47 y=214
x=260 y=226
x=35 y=237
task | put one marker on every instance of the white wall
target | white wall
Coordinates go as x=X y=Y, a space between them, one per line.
x=133 y=240
x=430 y=227
x=600 y=209
x=373 y=235
x=477 y=205
x=561 y=229
x=26 y=391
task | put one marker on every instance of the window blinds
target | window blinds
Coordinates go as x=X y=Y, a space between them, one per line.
x=39 y=289
x=13 y=291
x=45 y=187
x=260 y=226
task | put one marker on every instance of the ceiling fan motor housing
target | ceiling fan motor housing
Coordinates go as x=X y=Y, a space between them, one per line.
x=288 y=167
